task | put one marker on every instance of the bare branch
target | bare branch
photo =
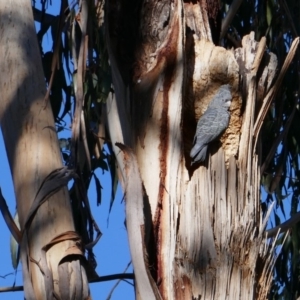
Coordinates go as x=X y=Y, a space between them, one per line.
x=273 y=91
x=114 y=287
x=285 y=226
x=229 y=17
x=121 y=276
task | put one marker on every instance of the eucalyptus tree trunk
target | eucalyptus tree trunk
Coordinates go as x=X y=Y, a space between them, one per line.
x=200 y=229
x=50 y=255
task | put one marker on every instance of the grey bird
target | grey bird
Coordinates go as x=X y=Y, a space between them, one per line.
x=212 y=123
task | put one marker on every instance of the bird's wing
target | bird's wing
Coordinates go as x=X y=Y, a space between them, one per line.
x=212 y=123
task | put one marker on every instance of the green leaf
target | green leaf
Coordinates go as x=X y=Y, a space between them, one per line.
x=277 y=219
x=94 y=80
x=98 y=189
x=101 y=163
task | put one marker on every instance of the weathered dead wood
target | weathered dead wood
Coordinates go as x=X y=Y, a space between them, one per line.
x=214 y=66
x=225 y=247
x=207 y=228
x=197 y=20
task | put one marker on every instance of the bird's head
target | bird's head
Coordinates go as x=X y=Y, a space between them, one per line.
x=222 y=98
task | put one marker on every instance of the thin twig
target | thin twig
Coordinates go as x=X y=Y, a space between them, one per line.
x=117 y=283
x=4 y=276
x=290 y=18
x=121 y=276
x=284 y=226
x=229 y=17
x=278 y=140
x=273 y=91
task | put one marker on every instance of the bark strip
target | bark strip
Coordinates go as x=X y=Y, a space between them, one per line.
x=136 y=226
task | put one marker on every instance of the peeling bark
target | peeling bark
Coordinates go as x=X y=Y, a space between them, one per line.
x=138 y=229
x=33 y=153
x=207 y=228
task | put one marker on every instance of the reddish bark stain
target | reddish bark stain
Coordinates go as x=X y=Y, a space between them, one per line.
x=169 y=54
x=182 y=288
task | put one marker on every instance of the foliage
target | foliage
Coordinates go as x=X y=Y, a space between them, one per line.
x=60 y=69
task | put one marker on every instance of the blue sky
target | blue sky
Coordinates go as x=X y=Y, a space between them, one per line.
x=112 y=252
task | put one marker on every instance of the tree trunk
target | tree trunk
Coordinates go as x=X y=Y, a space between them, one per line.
x=50 y=267
x=205 y=232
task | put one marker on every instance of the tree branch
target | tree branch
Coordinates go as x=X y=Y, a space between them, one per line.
x=273 y=91
x=285 y=226
x=121 y=276
x=230 y=15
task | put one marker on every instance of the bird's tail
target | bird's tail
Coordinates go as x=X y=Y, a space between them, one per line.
x=198 y=153
x=196 y=148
